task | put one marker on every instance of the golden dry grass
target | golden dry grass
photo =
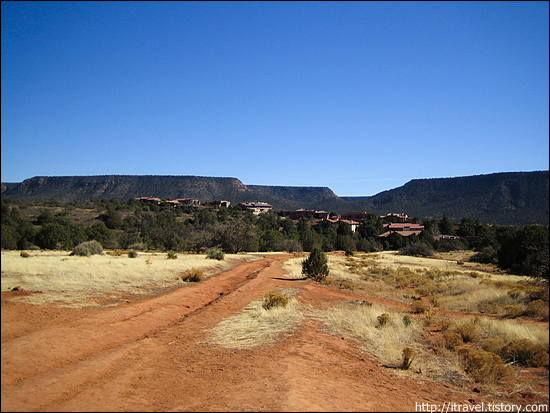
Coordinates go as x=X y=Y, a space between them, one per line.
x=256 y=326
x=75 y=281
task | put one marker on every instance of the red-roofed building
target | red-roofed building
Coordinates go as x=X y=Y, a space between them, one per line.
x=402 y=228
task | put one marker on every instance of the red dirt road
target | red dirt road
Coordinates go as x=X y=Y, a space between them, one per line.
x=150 y=355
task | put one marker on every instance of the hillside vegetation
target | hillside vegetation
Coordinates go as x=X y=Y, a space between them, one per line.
x=512 y=198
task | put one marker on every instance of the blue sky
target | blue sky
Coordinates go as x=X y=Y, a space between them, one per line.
x=360 y=97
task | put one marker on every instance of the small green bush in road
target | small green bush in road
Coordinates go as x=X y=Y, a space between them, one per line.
x=409 y=354
x=192 y=275
x=316 y=265
x=132 y=254
x=171 y=255
x=274 y=299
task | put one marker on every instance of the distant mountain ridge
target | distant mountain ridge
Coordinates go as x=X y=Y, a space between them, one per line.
x=507 y=198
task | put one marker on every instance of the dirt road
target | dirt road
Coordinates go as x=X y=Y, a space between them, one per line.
x=151 y=355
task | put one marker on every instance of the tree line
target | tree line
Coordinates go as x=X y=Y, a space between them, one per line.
x=135 y=224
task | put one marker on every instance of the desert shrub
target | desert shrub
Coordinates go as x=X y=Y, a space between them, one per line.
x=171 y=255
x=274 y=299
x=525 y=352
x=493 y=344
x=25 y=254
x=192 y=275
x=513 y=311
x=486 y=256
x=419 y=248
x=483 y=366
x=315 y=266
x=468 y=332
x=407 y=321
x=418 y=307
x=87 y=248
x=214 y=254
x=140 y=246
x=537 y=308
x=132 y=253
x=383 y=319
x=409 y=354
x=452 y=340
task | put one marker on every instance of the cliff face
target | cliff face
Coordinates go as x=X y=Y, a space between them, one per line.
x=123 y=187
x=512 y=198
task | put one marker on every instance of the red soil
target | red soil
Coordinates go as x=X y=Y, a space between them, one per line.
x=150 y=355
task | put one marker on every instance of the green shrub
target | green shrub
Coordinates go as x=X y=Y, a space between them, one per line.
x=483 y=366
x=192 y=275
x=88 y=248
x=214 y=253
x=525 y=352
x=409 y=354
x=407 y=321
x=140 y=246
x=487 y=256
x=315 y=266
x=418 y=248
x=132 y=253
x=274 y=299
x=171 y=255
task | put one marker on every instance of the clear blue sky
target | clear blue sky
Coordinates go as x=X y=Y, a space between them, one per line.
x=360 y=97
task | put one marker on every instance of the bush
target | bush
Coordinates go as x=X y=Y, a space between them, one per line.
x=315 y=266
x=452 y=340
x=486 y=256
x=493 y=345
x=87 y=248
x=409 y=354
x=418 y=307
x=274 y=299
x=140 y=246
x=214 y=254
x=484 y=366
x=407 y=321
x=525 y=352
x=513 y=311
x=25 y=254
x=537 y=308
x=193 y=275
x=418 y=248
x=468 y=332
x=171 y=255
x=383 y=319
x=132 y=253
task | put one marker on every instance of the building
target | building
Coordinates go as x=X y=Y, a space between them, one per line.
x=394 y=217
x=355 y=215
x=256 y=207
x=335 y=223
x=405 y=229
x=220 y=204
x=308 y=213
x=149 y=199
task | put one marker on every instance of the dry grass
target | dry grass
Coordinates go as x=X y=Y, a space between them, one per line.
x=75 y=281
x=256 y=325
x=361 y=322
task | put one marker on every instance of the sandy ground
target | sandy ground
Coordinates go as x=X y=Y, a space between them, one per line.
x=153 y=354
